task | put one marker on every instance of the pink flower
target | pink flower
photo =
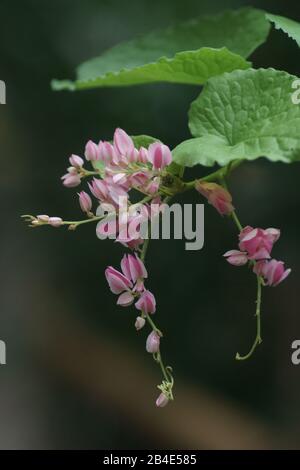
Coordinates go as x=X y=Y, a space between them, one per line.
x=236 y=257
x=162 y=400
x=117 y=281
x=125 y=299
x=139 y=323
x=76 y=161
x=99 y=189
x=217 y=196
x=133 y=268
x=91 y=151
x=71 y=180
x=146 y=302
x=123 y=143
x=258 y=243
x=85 y=201
x=159 y=155
x=153 y=342
x=272 y=271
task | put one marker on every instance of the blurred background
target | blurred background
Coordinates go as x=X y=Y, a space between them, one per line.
x=77 y=374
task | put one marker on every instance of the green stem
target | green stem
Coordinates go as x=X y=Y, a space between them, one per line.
x=216 y=175
x=75 y=223
x=258 y=338
x=236 y=221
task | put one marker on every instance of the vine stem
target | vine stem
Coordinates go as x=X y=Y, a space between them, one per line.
x=216 y=175
x=157 y=356
x=258 y=338
x=75 y=223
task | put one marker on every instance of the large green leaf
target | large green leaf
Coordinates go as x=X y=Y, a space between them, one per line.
x=187 y=53
x=290 y=27
x=192 y=67
x=243 y=115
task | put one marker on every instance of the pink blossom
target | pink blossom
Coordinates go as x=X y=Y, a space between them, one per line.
x=272 y=271
x=258 y=243
x=125 y=299
x=99 y=189
x=76 y=161
x=117 y=281
x=133 y=267
x=217 y=196
x=159 y=155
x=71 y=180
x=122 y=142
x=236 y=257
x=153 y=342
x=146 y=302
x=162 y=400
x=85 y=201
x=91 y=152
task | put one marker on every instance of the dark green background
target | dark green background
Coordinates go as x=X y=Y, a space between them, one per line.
x=52 y=282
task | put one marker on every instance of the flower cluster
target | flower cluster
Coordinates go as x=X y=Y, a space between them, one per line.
x=121 y=170
x=255 y=245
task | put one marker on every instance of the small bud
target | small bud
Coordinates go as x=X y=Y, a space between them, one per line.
x=216 y=195
x=43 y=218
x=139 y=323
x=162 y=400
x=76 y=161
x=85 y=201
x=72 y=170
x=152 y=343
x=55 y=221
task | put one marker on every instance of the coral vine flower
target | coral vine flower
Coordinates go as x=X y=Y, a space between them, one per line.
x=159 y=155
x=272 y=271
x=236 y=257
x=258 y=243
x=146 y=302
x=217 y=196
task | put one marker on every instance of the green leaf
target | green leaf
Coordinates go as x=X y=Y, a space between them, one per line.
x=186 y=53
x=243 y=115
x=288 y=26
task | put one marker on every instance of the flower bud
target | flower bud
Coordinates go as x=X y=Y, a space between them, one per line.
x=139 y=323
x=85 y=201
x=152 y=343
x=55 y=221
x=217 y=196
x=76 y=161
x=43 y=218
x=91 y=151
x=122 y=142
x=162 y=400
x=236 y=257
x=71 y=180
